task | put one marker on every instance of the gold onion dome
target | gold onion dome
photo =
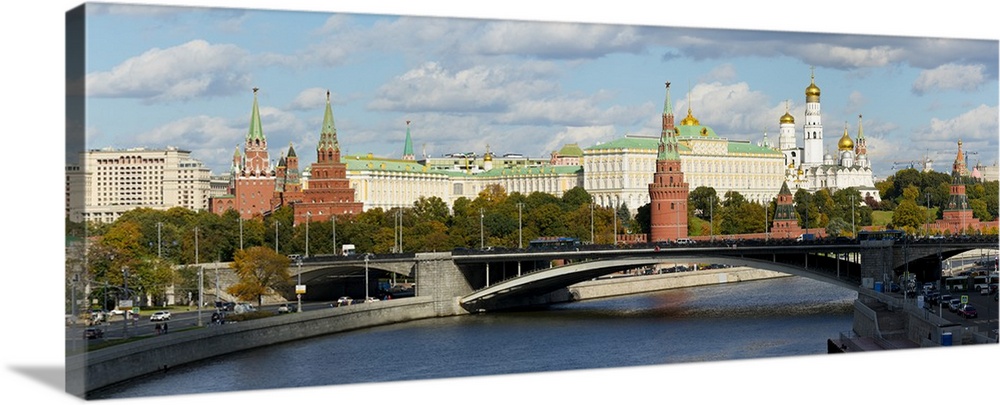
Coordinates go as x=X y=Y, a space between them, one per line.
x=845 y=142
x=690 y=119
x=812 y=92
x=787 y=118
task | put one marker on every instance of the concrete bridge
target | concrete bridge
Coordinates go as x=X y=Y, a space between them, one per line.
x=475 y=280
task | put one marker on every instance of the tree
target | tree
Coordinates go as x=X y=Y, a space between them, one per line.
x=261 y=271
x=704 y=201
x=908 y=215
x=575 y=197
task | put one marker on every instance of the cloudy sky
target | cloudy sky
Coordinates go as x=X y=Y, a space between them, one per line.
x=182 y=76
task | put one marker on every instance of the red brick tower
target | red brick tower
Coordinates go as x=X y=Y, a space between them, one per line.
x=668 y=193
x=957 y=215
x=786 y=223
x=287 y=184
x=329 y=191
x=252 y=184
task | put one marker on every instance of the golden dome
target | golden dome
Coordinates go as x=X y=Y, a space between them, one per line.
x=488 y=157
x=845 y=142
x=812 y=92
x=787 y=118
x=690 y=119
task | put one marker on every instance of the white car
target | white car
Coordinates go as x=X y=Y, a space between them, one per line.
x=160 y=316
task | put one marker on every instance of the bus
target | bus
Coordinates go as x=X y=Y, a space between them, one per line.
x=887 y=234
x=957 y=283
x=554 y=242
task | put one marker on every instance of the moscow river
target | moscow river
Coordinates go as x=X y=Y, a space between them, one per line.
x=789 y=316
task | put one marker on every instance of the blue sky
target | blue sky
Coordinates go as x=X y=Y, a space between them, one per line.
x=179 y=76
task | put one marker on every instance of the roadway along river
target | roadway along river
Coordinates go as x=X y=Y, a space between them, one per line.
x=759 y=319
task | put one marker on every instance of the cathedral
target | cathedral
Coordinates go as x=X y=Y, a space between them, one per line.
x=807 y=167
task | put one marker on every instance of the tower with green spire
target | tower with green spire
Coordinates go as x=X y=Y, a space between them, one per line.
x=329 y=191
x=252 y=179
x=328 y=148
x=408 y=144
x=668 y=193
x=256 y=160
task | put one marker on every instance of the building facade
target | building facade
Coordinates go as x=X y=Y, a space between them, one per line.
x=618 y=172
x=108 y=182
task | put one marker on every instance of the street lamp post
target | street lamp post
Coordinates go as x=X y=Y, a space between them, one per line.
x=159 y=240
x=482 y=239
x=308 y=219
x=333 y=227
x=275 y=235
x=591 y=223
x=366 y=276
x=766 y=234
x=201 y=277
x=520 y=238
x=854 y=229
x=297 y=294
x=241 y=232
x=927 y=215
x=711 y=218
x=128 y=314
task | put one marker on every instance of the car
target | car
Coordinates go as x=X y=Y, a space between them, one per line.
x=684 y=241
x=98 y=316
x=225 y=306
x=967 y=311
x=344 y=301
x=954 y=304
x=371 y=299
x=117 y=311
x=287 y=308
x=160 y=316
x=944 y=299
x=93 y=333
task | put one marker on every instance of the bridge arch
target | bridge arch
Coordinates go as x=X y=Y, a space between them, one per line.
x=520 y=291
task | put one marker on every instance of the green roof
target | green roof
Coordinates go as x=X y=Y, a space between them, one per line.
x=361 y=163
x=695 y=131
x=746 y=147
x=571 y=150
x=516 y=171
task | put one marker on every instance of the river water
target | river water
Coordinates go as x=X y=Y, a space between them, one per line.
x=790 y=316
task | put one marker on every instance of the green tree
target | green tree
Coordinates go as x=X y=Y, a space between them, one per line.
x=704 y=201
x=260 y=271
x=908 y=215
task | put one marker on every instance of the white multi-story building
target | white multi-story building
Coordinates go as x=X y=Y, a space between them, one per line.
x=108 y=182
x=620 y=171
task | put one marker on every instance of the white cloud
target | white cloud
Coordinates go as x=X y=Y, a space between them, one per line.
x=950 y=77
x=432 y=87
x=198 y=132
x=730 y=108
x=856 y=101
x=194 y=69
x=725 y=73
x=582 y=136
x=850 y=57
x=556 y=40
x=311 y=99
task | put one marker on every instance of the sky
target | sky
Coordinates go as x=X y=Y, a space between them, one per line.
x=34 y=84
x=183 y=76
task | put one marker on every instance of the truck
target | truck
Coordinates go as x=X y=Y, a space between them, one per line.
x=806 y=237
x=347 y=250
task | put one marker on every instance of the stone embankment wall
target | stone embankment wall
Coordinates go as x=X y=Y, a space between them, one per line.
x=101 y=368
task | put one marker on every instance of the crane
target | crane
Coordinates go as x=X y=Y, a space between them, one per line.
x=924 y=162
